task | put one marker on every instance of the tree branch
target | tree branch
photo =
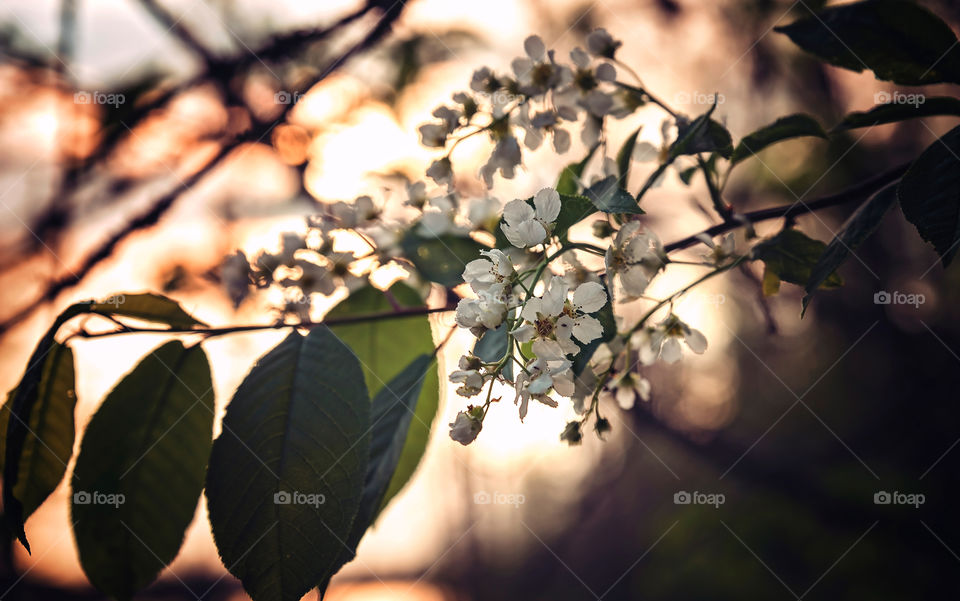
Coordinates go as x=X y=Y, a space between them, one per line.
x=333 y=321
x=858 y=192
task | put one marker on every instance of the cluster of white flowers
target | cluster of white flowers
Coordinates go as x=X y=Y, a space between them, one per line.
x=548 y=309
x=539 y=99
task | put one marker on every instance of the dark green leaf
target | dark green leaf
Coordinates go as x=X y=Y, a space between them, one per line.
x=440 y=259
x=570 y=177
x=857 y=228
x=492 y=346
x=48 y=444
x=791 y=255
x=624 y=156
x=784 y=128
x=686 y=176
x=391 y=412
x=573 y=210
x=607 y=196
x=383 y=348
x=703 y=134
x=147 y=307
x=900 y=111
x=21 y=404
x=140 y=470
x=287 y=474
x=929 y=195
x=899 y=41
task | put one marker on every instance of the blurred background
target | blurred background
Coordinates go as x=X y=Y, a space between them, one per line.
x=797 y=424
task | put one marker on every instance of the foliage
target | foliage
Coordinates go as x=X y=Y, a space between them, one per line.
x=332 y=422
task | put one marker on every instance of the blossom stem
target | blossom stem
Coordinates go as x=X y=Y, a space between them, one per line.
x=210 y=332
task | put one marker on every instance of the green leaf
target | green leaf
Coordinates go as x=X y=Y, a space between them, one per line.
x=573 y=210
x=392 y=410
x=929 y=195
x=48 y=444
x=287 y=473
x=900 y=111
x=784 y=128
x=858 y=227
x=572 y=174
x=790 y=256
x=899 y=41
x=146 y=307
x=440 y=259
x=492 y=346
x=383 y=348
x=607 y=196
x=624 y=157
x=141 y=468
x=703 y=134
x=21 y=405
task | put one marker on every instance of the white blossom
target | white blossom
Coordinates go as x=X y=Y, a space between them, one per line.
x=551 y=320
x=505 y=157
x=537 y=72
x=626 y=388
x=487 y=311
x=719 y=252
x=635 y=256
x=495 y=269
x=602 y=44
x=541 y=376
x=465 y=428
x=666 y=336
x=527 y=226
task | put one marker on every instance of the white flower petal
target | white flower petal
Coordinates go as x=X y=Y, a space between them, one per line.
x=555 y=297
x=606 y=72
x=696 y=341
x=589 y=297
x=670 y=351
x=535 y=47
x=517 y=211
x=524 y=333
x=587 y=329
x=634 y=280
x=625 y=397
x=530 y=233
x=547 y=203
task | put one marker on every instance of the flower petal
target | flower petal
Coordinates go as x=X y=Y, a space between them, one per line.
x=587 y=329
x=547 y=202
x=625 y=397
x=670 y=352
x=696 y=341
x=534 y=47
x=517 y=211
x=589 y=297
